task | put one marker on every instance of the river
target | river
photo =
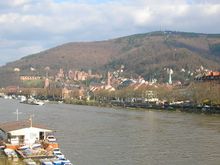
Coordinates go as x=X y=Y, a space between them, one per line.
x=110 y=136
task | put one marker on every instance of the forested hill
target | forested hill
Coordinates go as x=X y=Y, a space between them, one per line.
x=141 y=54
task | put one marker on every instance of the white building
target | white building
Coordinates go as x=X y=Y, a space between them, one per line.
x=23 y=132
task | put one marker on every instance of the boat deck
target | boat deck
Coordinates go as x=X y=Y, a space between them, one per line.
x=35 y=154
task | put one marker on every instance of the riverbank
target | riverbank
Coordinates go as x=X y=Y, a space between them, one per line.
x=184 y=107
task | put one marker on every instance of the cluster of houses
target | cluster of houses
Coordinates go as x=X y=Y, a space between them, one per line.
x=75 y=75
x=72 y=86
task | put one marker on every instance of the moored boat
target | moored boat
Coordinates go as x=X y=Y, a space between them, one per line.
x=38 y=102
x=45 y=162
x=24 y=147
x=56 y=161
x=66 y=162
x=10 y=153
x=35 y=146
x=32 y=101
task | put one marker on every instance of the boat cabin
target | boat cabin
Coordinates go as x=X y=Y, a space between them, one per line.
x=23 y=132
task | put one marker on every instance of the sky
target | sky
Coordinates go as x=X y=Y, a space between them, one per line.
x=31 y=26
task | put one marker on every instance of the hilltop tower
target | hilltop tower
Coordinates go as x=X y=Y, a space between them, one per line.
x=170 y=72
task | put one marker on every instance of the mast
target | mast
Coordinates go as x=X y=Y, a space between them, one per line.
x=31 y=122
x=17 y=114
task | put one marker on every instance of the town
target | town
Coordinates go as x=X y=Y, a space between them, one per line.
x=199 y=92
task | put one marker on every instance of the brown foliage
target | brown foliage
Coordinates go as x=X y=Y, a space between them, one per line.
x=144 y=54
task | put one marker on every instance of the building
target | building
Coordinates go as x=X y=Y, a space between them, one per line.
x=77 y=92
x=46 y=83
x=26 y=78
x=23 y=132
x=81 y=75
x=210 y=76
x=12 y=89
x=66 y=93
x=77 y=75
x=60 y=75
x=16 y=70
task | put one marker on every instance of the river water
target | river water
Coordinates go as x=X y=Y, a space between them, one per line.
x=110 y=136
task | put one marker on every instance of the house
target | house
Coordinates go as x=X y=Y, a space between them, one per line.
x=23 y=132
x=65 y=93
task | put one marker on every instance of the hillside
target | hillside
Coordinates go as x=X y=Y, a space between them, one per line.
x=142 y=54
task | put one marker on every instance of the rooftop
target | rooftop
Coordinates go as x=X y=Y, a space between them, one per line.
x=16 y=125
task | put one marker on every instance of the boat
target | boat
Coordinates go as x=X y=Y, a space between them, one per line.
x=56 y=161
x=10 y=153
x=24 y=147
x=32 y=101
x=38 y=102
x=35 y=146
x=66 y=162
x=45 y=162
x=23 y=99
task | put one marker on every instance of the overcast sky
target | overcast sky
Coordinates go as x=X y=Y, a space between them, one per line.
x=30 y=26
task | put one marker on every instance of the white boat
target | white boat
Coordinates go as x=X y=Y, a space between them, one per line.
x=33 y=101
x=66 y=162
x=10 y=153
x=24 y=147
x=45 y=162
x=35 y=146
x=23 y=99
x=38 y=102
x=56 y=161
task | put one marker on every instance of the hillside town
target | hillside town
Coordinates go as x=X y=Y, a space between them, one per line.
x=200 y=88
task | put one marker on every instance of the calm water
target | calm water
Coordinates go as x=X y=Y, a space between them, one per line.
x=104 y=136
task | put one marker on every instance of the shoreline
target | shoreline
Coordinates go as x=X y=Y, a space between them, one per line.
x=144 y=106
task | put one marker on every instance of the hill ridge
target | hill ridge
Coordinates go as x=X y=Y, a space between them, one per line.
x=145 y=54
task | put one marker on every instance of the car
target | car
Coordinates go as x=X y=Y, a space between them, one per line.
x=51 y=138
x=58 y=155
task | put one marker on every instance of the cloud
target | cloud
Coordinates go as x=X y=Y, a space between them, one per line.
x=43 y=24
x=15 y=49
x=31 y=49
